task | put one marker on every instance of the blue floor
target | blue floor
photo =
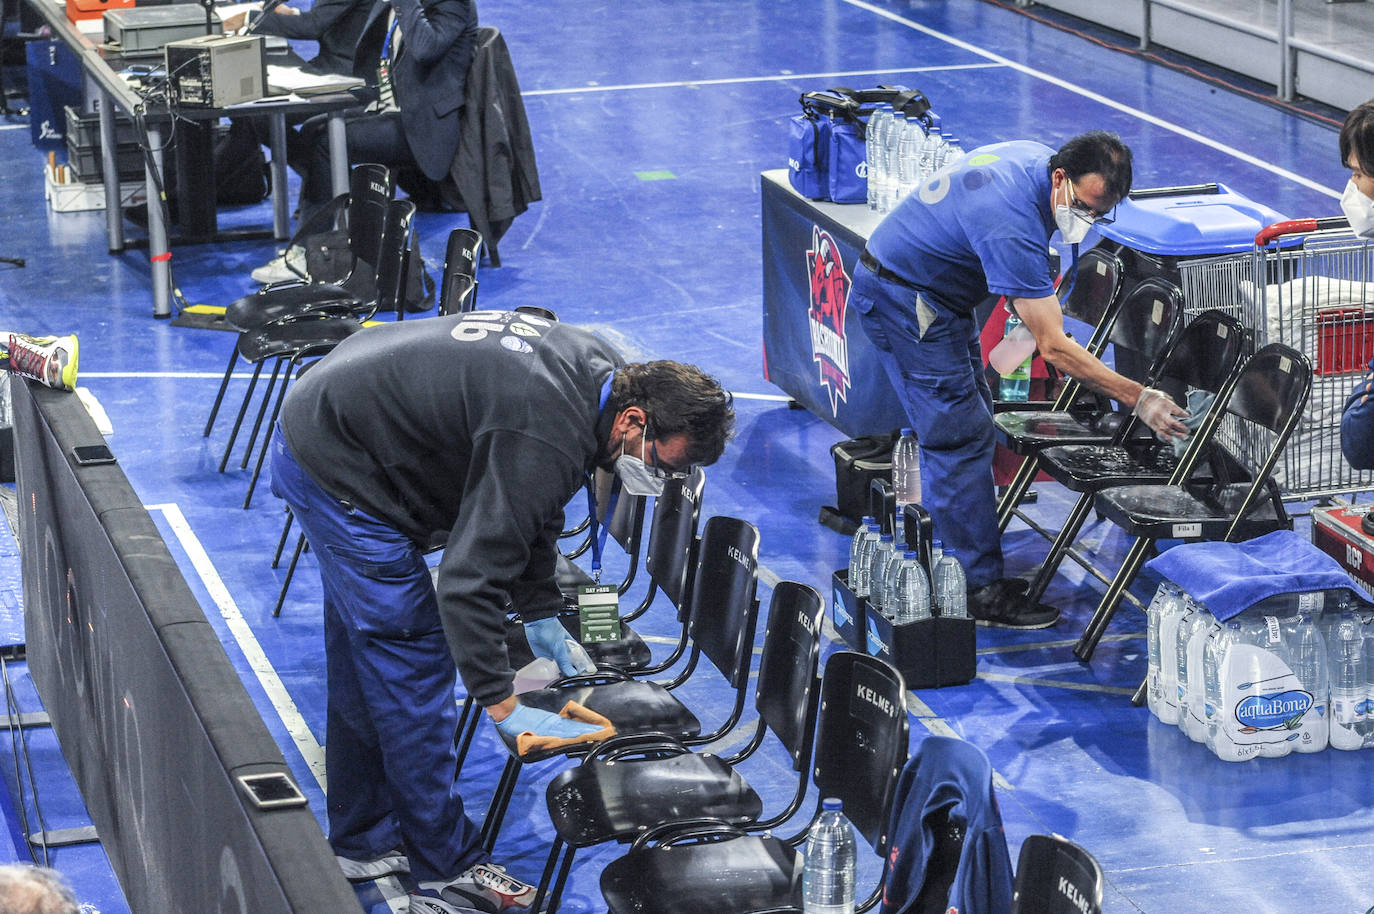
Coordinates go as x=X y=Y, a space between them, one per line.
x=652 y=122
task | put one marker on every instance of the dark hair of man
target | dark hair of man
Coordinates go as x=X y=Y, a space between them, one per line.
x=1357 y=136
x=1100 y=152
x=679 y=400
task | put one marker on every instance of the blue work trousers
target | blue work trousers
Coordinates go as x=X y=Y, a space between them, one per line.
x=938 y=374
x=391 y=715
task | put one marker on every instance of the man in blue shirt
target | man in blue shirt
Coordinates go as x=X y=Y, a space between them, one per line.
x=982 y=227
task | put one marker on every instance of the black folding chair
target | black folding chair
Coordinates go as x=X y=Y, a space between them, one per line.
x=1056 y=876
x=1237 y=499
x=631 y=783
x=724 y=614
x=1204 y=356
x=458 y=290
x=710 y=865
x=1146 y=320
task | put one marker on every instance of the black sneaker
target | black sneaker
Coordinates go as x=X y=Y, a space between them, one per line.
x=1002 y=604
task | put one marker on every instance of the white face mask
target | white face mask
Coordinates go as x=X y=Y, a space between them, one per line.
x=1073 y=226
x=1359 y=209
x=635 y=476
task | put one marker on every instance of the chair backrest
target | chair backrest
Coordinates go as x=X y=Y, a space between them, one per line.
x=370 y=191
x=1150 y=316
x=1205 y=353
x=1056 y=876
x=393 y=261
x=458 y=289
x=788 y=689
x=861 y=740
x=724 y=608
x=1094 y=295
x=673 y=538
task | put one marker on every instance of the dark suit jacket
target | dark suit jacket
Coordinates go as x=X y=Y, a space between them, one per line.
x=429 y=74
x=335 y=24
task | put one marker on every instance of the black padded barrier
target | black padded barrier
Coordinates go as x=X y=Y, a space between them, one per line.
x=153 y=721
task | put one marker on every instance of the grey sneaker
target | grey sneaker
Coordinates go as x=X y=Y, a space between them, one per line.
x=289 y=265
x=483 y=887
x=393 y=863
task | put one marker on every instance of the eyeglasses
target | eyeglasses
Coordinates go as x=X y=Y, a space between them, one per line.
x=664 y=473
x=1084 y=212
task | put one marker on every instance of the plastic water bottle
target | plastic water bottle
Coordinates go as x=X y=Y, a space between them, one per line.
x=863 y=574
x=906 y=476
x=1193 y=627
x=1266 y=633
x=856 y=548
x=930 y=154
x=1168 y=598
x=892 y=137
x=1016 y=381
x=937 y=549
x=828 y=874
x=1347 y=683
x=1213 y=684
x=1309 y=666
x=912 y=593
x=877 y=580
x=909 y=157
x=951 y=587
x=873 y=143
x=951 y=153
x=1171 y=613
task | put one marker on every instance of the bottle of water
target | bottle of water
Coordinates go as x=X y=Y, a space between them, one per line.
x=1213 y=659
x=828 y=874
x=873 y=144
x=1171 y=614
x=1168 y=597
x=906 y=476
x=877 y=581
x=951 y=153
x=1309 y=666
x=912 y=593
x=1347 y=683
x=856 y=548
x=951 y=588
x=1189 y=643
x=863 y=574
x=909 y=157
x=930 y=154
x=892 y=137
x=937 y=549
x=1016 y=382
x=1266 y=634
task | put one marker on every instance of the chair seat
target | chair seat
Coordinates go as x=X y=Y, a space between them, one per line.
x=633 y=706
x=605 y=800
x=1172 y=512
x=1031 y=431
x=725 y=877
x=295 y=338
x=1094 y=467
x=276 y=302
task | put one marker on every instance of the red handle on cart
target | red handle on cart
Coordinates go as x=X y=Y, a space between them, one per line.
x=1299 y=227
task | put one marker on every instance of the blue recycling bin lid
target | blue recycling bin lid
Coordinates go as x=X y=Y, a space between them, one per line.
x=1189 y=223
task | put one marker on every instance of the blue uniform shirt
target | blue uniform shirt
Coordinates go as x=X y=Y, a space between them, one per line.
x=982 y=227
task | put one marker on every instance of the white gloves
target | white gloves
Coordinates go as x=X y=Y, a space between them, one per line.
x=1158 y=410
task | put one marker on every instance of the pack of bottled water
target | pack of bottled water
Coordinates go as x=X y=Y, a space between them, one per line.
x=902 y=153
x=1262 y=684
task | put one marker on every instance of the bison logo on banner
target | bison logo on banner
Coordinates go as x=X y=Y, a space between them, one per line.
x=829 y=294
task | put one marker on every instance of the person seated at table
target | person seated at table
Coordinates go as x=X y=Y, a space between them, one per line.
x=1357 y=154
x=334 y=24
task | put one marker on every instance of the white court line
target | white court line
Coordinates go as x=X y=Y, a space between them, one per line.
x=1100 y=99
x=940 y=727
x=732 y=80
x=1056 y=683
x=248 y=643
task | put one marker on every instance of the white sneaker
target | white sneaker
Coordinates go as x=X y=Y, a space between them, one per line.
x=50 y=359
x=289 y=265
x=484 y=887
x=394 y=863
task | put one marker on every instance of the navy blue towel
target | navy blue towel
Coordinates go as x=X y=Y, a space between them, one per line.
x=1231 y=577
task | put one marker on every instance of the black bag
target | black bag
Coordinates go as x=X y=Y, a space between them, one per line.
x=328 y=259
x=825 y=155
x=858 y=462
x=240 y=166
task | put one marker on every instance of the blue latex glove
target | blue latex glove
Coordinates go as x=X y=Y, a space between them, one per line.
x=548 y=638
x=541 y=723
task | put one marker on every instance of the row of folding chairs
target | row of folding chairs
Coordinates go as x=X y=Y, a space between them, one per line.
x=289 y=324
x=1219 y=488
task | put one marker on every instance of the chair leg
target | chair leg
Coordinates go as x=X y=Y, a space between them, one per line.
x=545 y=878
x=467 y=729
x=266 y=439
x=262 y=410
x=223 y=386
x=1067 y=534
x=556 y=899
x=500 y=802
x=1097 y=625
x=281 y=541
x=243 y=411
x=1138 y=699
x=1016 y=490
x=290 y=573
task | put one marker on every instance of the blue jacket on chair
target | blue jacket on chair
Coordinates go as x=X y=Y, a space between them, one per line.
x=947 y=780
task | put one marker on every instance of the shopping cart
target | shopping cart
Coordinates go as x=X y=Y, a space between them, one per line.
x=1308 y=283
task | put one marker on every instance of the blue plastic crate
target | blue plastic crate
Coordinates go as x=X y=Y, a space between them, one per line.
x=1190 y=224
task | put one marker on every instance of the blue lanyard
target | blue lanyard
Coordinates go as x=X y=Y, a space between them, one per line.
x=390 y=31
x=598 y=536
